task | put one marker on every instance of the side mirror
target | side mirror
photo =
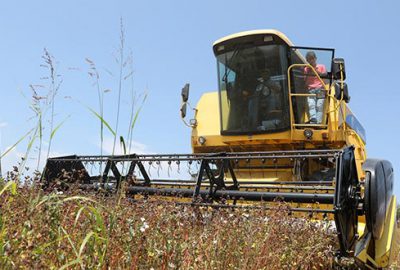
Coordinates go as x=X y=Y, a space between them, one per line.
x=183 y=110
x=338 y=69
x=341 y=90
x=185 y=93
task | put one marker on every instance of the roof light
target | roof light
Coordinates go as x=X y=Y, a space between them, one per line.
x=268 y=38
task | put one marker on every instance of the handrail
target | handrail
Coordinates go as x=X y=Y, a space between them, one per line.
x=325 y=86
x=312 y=68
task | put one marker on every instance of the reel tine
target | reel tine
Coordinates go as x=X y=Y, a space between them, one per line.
x=178 y=166
x=248 y=161
x=189 y=165
x=169 y=167
x=263 y=164
x=149 y=169
x=158 y=168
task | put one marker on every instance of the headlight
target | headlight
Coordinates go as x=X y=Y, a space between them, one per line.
x=202 y=140
x=308 y=133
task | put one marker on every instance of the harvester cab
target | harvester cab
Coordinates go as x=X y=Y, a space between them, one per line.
x=278 y=129
x=273 y=95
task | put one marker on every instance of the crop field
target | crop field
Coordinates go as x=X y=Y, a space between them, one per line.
x=71 y=230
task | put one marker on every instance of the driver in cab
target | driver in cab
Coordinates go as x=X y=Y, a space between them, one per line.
x=265 y=98
x=315 y=86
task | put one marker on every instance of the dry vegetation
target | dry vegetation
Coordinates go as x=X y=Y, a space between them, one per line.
x=69 y=231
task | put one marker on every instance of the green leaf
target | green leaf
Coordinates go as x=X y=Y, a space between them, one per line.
x=45 y=199
x=78 y=214
x=103 y=121
x=40 y=127
x=122 y=142
x=138 y=111
x=70 y=241
x=14 y=188
x=71 y=263
x=87 y=238
x=78 y=198
x=39 y=250
x=57 y=127
x=15 y=144
x=99 y=219
x=30 y=144
x=10 y=185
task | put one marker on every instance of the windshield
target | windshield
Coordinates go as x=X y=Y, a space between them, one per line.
x=253 y=89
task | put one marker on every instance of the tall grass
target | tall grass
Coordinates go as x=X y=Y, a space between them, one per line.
x=94 y=74
x=125 y=86
x=42 y=101
x=121 y=61
x=55 y=81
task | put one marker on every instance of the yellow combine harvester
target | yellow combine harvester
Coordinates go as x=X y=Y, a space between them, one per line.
x=279 y=128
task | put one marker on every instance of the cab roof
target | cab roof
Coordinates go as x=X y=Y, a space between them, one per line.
x=254 y=32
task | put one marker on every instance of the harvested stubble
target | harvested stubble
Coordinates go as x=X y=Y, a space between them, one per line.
x=71 y=231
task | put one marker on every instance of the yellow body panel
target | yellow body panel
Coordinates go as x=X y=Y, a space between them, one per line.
x=383 y=246
x=209 y=127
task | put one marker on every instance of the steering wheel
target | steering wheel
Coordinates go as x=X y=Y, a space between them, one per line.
x=265 y=90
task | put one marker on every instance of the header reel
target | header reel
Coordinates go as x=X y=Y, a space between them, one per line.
x=228 y=179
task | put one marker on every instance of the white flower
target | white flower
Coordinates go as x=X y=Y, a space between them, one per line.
x=144 y=227
x=142 y=219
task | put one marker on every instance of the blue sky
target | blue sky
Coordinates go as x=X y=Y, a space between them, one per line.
x=171 y=44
